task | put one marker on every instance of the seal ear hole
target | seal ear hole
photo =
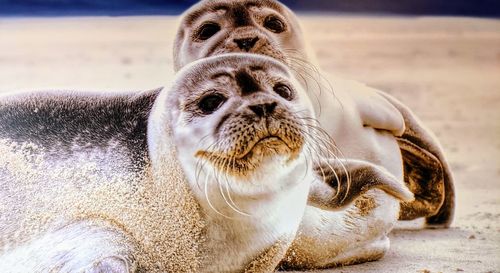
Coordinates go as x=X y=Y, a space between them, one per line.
x=284 y=91
x=210 y=103
x=207 y=30
x=274 y=24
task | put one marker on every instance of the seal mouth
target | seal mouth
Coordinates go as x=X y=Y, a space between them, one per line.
x=253 y=156
x=270 y=142
x=265 y=145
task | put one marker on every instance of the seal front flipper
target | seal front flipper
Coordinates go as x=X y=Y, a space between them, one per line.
x=340 y=182
x=376 y=112
x=423 y=158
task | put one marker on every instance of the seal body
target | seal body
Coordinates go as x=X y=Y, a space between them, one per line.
x=166 y=181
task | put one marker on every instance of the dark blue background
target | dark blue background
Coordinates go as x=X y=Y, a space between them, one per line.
x=479 y=8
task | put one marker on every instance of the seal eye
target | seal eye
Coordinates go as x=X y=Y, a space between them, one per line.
x=211 y=103
x=207 y=30
x=284 y=91
x=274 y=24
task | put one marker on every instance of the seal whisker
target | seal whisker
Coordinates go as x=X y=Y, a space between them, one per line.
x=296 y=56
x=319 y=164
x=200 y=164
x=325 y=137
x=348 y=179
x=228 y=186
x=230 y=201
x=222 y=168
x=329 y=147
x=300 y=70
x=221 y=162
x=298 y=59
x=298 y=64
x=323 y=143
x=329 y=144
x=308 y=163
x=208 y=198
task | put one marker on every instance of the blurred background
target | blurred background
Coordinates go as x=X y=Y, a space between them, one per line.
x=482 y=8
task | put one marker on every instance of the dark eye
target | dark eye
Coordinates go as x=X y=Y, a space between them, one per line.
x=207 y=30
x=211 y=103
x=274 y=24
x=284 y=91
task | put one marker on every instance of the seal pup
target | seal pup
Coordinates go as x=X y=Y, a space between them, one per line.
x=268 y=27
x=167 y=181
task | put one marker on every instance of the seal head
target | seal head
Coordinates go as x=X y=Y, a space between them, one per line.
x=242 y=115
x=220 y=26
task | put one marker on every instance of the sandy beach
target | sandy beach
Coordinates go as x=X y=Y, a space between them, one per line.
x=446 y=69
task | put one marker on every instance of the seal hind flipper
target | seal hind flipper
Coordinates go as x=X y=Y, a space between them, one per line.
x=420 y=166
x=418 y=142
x=334 y=192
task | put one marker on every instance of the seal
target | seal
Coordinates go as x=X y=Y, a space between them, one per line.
x=219 y=164
x=268 y=27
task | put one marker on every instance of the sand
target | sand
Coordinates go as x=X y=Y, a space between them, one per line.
x=446 y=69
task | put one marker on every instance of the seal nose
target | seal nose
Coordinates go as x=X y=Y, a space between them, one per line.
x=264 y=109
x=246 y=43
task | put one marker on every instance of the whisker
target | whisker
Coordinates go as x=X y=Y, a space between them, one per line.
x=231 y=202
x=210 y=203
x=300 y=65
x=228 y=187
x=324 y=147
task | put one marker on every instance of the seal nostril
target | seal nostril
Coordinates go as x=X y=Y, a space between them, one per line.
x=246 y=43
x=257 y=109
x=270 y=107
x=263 y=110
